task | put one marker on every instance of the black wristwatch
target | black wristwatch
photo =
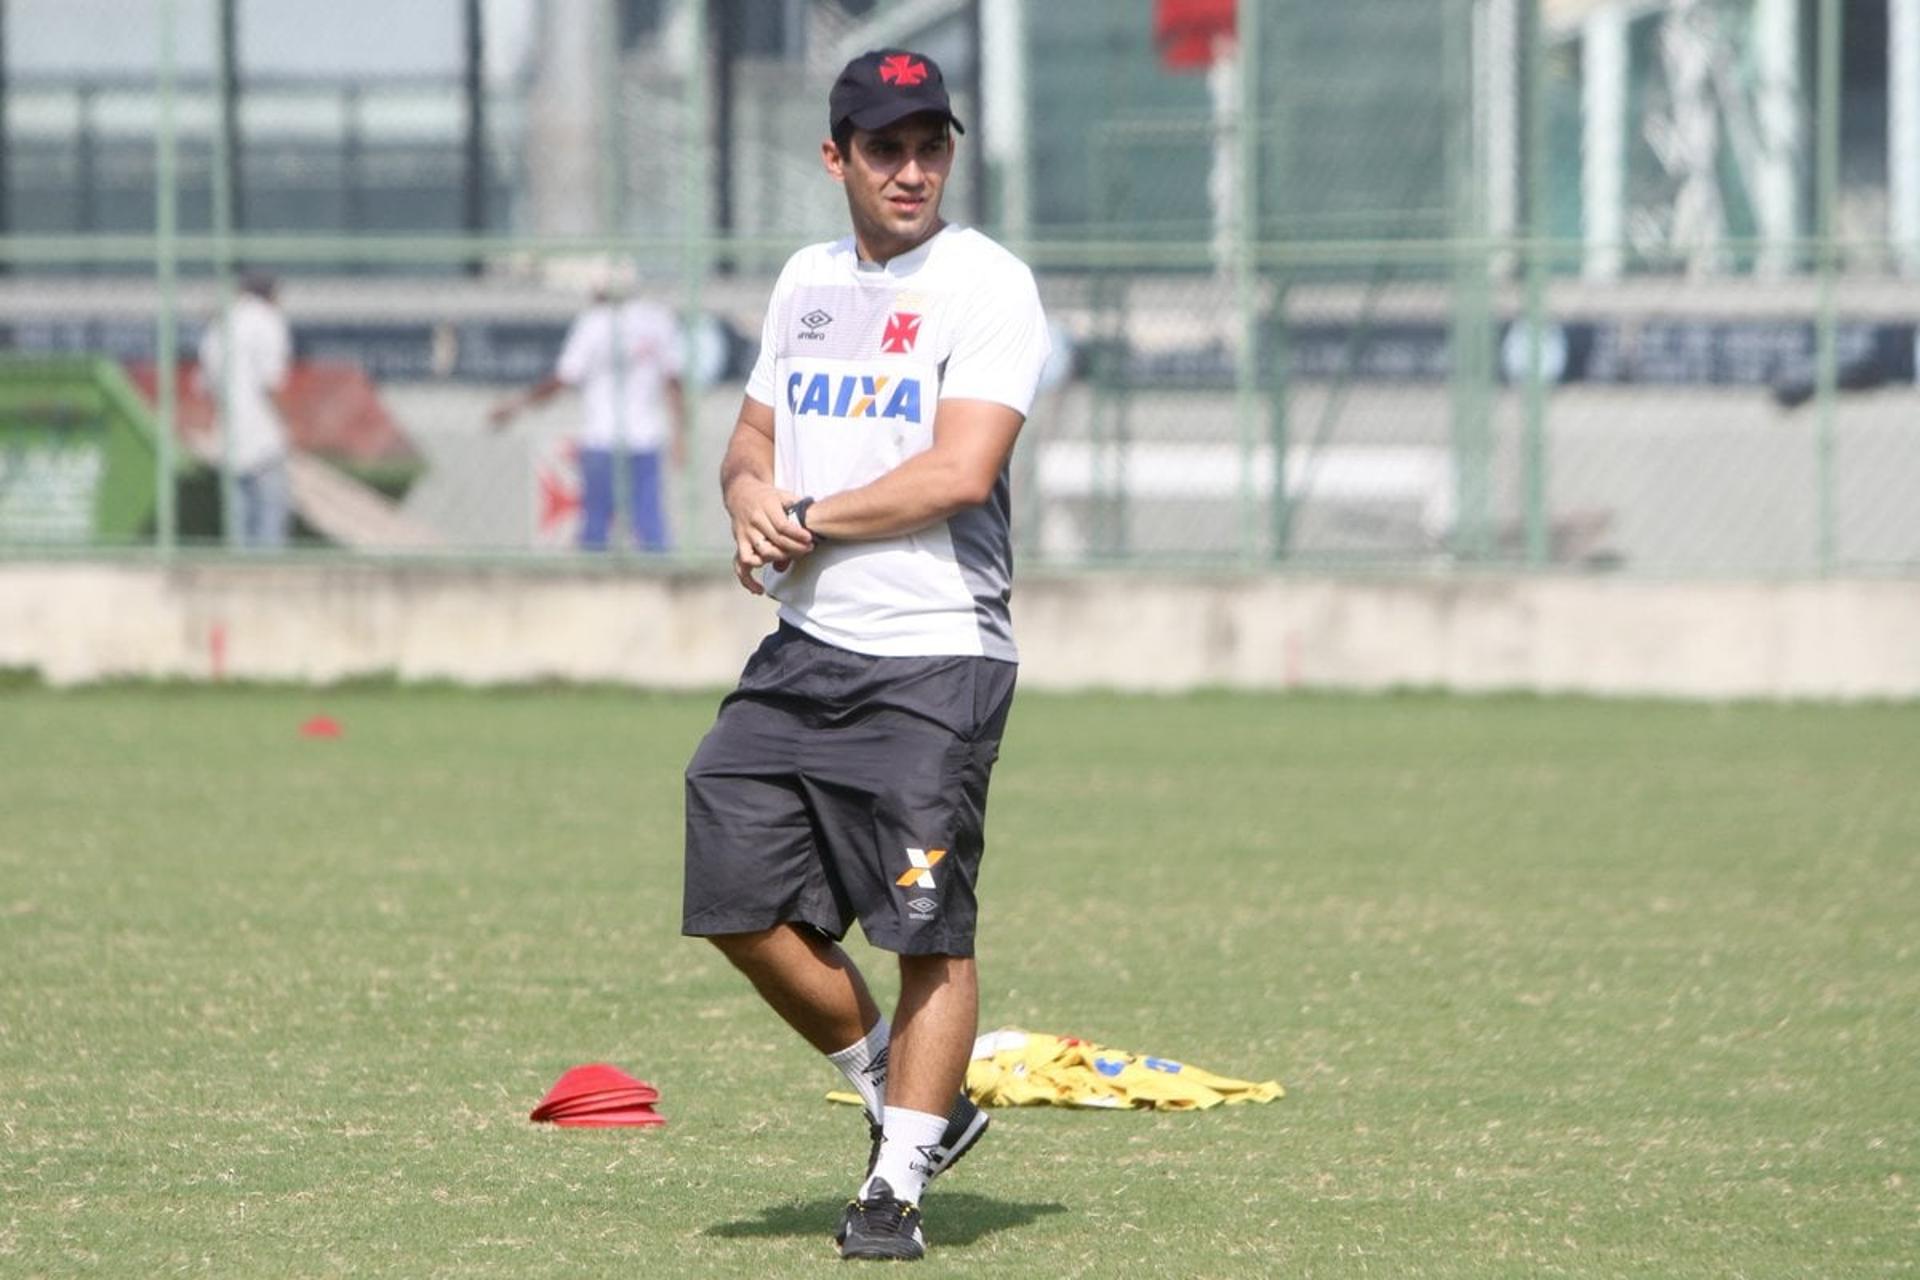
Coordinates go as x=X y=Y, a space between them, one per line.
x=799 y=513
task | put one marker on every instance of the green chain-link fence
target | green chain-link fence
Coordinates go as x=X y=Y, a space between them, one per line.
x=1544 y=283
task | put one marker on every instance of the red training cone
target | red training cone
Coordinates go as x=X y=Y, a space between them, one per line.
x=599 y=1095
x=637 y=1117
x=609 y=1101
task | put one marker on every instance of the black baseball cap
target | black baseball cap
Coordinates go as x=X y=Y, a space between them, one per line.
x=884 y=85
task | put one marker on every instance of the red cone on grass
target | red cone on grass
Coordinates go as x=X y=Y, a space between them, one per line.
x=599 y=1096
x=620 y=1117
x=321 y=727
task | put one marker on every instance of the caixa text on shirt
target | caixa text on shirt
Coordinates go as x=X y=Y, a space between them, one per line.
x=853 y=395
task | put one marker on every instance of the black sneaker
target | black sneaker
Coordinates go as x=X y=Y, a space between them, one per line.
x=965 y=1124
x=881 y=1227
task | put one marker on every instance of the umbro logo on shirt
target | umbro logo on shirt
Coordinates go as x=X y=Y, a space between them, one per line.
x=816 y=322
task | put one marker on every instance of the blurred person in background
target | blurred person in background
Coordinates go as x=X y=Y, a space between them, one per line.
x=634 y=402
x=250 y=390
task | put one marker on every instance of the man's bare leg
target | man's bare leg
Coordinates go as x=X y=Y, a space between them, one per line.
x=933 y=1033
x=933 y=1030
x=809 y=981
x=816 y=988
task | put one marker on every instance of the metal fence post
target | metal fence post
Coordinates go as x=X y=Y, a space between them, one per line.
x=473 y=176
x=1246 y=282
x=1472 y=292
x=1279 y=425
x=613 y=219
x=6 y=198
x=225 y=139
x=1275 y=148
x=1903 y=132
x=1108 y=391
x=166 y=207
x=1827 y=186
x=1534 y=56
x=1114 y=467
x=694 y=266
x=613 y=187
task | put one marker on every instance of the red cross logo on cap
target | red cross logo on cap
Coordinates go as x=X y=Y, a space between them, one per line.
x=903 y=328
x=902 y=70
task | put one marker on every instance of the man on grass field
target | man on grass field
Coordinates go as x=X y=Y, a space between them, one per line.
x=846 y=777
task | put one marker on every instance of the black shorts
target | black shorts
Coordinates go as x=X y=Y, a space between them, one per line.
x=835 y=786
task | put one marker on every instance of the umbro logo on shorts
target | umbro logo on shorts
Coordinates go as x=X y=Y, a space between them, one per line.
x=920 y=874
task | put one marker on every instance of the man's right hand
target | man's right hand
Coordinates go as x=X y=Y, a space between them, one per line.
x=763 y=533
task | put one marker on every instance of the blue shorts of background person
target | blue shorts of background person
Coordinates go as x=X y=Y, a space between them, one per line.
x=266 y=505
x=643 y=496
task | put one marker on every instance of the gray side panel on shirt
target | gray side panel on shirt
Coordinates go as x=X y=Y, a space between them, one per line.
x=983 y=546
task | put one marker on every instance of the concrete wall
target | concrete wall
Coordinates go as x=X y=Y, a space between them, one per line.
x=81 y=621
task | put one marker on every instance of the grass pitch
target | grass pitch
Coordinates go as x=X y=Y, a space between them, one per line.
x=1556 y=988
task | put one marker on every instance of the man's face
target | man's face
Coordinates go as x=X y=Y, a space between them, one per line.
x=894 y=179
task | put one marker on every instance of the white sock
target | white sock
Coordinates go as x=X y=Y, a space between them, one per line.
x=864 y=1064
x=905 y=1149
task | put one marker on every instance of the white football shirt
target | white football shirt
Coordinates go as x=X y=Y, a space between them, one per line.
x=623 y=383
x=262 y=356
x=855 y=358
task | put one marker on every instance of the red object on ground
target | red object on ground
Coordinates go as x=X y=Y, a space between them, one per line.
x=1184 y=30
x=599 y=1095
x=321 y=727
x=634 y=1117
x=612 y=1100
x=558 y=500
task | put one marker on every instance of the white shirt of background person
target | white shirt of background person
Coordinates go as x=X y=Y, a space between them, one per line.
x=623 y=385
x=263 y=353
